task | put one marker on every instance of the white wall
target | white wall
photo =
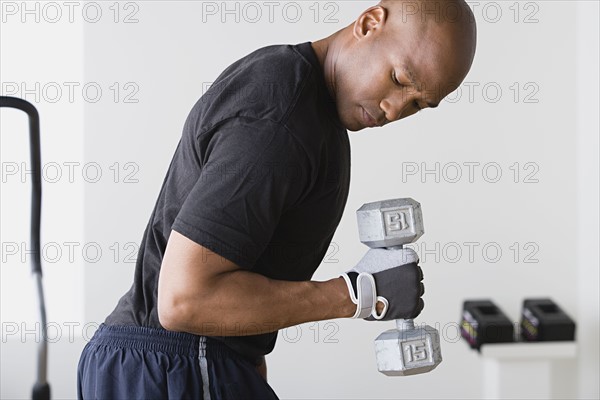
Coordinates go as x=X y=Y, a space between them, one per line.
x=166 y=59
x=588 y=180
x=41 y=61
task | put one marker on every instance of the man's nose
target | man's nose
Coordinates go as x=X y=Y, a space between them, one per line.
x=394 y=107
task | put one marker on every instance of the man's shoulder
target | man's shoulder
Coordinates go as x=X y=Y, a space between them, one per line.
x=264 y=84
x=271 y=58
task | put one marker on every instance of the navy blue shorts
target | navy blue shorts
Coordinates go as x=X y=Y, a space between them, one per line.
x=131 y=362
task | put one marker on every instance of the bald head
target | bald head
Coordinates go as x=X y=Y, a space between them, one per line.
x=446 y=27
x=397 y=58
x=432 y=11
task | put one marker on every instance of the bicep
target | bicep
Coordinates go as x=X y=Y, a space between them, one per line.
x=186 y=273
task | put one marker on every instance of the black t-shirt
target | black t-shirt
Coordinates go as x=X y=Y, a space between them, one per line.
x=260 y=176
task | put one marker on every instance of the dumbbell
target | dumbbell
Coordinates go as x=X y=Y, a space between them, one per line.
x=406 y=350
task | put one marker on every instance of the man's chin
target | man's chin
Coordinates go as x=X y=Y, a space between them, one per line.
x=352 y=125
x=355 y=129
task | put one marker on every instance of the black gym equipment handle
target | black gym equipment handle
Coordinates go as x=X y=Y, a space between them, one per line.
x=36 y=189
x=41 y=389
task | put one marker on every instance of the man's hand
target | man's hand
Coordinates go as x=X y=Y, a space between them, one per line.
x=386 y=284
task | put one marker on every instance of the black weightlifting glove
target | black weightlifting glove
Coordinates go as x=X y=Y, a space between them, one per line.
x=390 y=276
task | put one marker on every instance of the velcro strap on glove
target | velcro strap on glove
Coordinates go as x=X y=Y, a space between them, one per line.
x=363 y=292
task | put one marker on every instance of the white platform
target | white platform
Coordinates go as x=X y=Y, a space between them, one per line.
x=526 y=370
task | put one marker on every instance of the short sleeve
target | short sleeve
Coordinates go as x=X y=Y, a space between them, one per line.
x=252 y=172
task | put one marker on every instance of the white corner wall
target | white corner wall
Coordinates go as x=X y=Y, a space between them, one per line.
x=588 y=180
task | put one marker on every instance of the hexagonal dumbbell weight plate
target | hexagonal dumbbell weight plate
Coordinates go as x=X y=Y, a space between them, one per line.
x=408 y=350
x=390 y=223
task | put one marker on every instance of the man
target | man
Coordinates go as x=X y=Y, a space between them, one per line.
x=252 y=198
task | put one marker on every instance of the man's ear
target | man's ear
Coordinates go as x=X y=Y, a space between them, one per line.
x=369 y=21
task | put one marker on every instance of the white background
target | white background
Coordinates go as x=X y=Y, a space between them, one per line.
x=541 y=212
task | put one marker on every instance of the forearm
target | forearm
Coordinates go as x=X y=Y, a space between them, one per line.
x=245 y=303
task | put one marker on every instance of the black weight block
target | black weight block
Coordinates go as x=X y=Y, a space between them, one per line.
x=484 y=322
x=542 y=320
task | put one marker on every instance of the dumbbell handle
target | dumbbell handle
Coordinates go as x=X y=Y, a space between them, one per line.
x=402 y=324
x=405 y=324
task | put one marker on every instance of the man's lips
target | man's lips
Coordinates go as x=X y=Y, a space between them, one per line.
x=370 y=122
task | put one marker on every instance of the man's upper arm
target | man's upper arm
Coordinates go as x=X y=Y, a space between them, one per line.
x=252 y=172
x=186 y=272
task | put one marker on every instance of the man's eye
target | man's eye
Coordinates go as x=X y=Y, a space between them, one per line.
x=395 y=79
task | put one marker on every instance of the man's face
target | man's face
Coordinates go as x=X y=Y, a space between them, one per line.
x=392 y=72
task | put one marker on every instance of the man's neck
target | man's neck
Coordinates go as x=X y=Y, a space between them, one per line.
x=327 y=51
